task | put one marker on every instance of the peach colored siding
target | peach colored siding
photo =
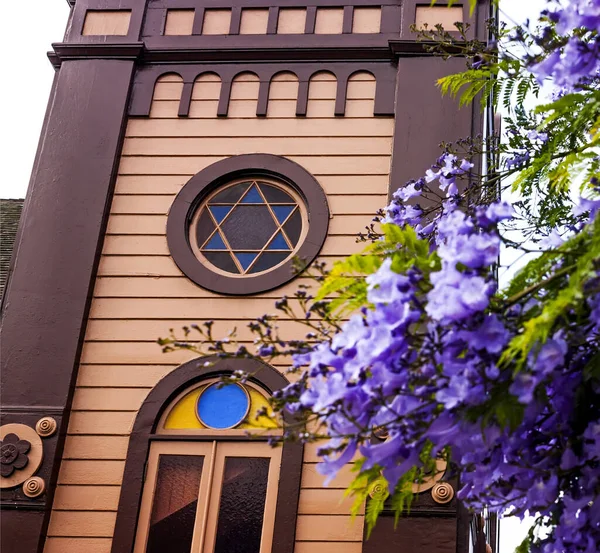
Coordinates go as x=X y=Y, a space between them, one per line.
x=254 y=21
x=366 y=20
x=438 y=15
x=179 y=22
x=106 y=23
x=291 y=21
x=140 y=293
x=216 y=22
x=329 y=21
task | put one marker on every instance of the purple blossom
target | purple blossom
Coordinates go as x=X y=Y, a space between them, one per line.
x=427 y=351
x=550 y=357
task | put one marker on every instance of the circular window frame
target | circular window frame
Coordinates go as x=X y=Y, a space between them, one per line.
x=294 y=195
x=254 y=166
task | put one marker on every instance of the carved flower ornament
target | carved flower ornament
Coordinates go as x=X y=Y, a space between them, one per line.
x=13 y=454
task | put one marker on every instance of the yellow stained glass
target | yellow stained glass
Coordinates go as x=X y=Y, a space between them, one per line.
x=182 y=415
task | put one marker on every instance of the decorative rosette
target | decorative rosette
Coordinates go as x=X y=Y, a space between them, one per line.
x=13 y=454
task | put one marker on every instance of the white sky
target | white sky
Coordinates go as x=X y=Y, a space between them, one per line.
x=26 y=82
x=25 y=90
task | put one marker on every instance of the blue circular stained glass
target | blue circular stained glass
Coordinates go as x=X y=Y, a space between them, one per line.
x=223 y=406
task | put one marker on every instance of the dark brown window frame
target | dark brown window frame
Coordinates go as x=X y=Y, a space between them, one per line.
x=222 y=172
x=144 y=433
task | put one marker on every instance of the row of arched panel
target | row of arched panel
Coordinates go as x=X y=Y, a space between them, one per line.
x=295 y=95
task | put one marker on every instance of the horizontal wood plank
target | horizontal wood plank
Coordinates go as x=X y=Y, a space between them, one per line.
x=328 y=547
x=107 y=399
x=145 y=330
x=317 y=165
x=324 y=502
x=220 y=307
x=143 y=224
x=172 y=184
x=91 y=472
x=359 y=146
x=129 y=353
x=157 y=245
x=82 y=523
x=113 y=448
x=77 y=545
x=121 y=376
x=367 y=204
x=148 y=266
x=86 y=498
x=94 y=422
x=261 y=127
x=325 y=528
x=310 y=452
x=311 y=478
x=175 y=287
x=155 y=266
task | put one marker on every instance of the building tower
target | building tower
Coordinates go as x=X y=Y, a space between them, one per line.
x=192 y=149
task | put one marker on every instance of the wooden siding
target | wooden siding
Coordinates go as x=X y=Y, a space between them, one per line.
x=106 y=23
x=140 y=293
x=179 y=22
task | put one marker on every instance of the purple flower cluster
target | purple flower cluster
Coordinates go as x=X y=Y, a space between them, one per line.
x=576 y=62
x=425 y=363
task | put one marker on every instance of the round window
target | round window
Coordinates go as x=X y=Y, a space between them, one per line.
x=223 y=406
x=248 y=227
x=246 y=224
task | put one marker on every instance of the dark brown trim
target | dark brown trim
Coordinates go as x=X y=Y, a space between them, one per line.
x=424 y=118
x=196 y=189
x=311 y=19
x=403 y=48
x=220 y=4
x=302 y=102
x=47 y=301
x=463 y=521
x=236 y=20
x=273 y=20
x=186 y=100
x=67 y=51
x=263 y=99
x=223 y=105
x=428 y=526
x=198 y=21
x=142 y=435
x=347 y=22
x=421 y=110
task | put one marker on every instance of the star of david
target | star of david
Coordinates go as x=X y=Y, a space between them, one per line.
x=249 y=227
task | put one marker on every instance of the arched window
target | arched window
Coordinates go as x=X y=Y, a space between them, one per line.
x=195 y=481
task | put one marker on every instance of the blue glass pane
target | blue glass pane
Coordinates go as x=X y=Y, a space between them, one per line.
x=223 y=406
x=216 y=243
x=219 y=212
x=278 y=243
x=282 y=211
x=246 y=259
x=252 y=197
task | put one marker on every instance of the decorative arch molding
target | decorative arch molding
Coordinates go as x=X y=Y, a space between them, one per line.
x=143 y=433
x=146 y=78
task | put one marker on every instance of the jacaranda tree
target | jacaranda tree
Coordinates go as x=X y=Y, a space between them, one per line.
x=414 y=340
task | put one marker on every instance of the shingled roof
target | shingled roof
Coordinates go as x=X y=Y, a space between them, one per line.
x=10 y=213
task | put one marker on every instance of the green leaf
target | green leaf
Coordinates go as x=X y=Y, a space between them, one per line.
x=563 y=298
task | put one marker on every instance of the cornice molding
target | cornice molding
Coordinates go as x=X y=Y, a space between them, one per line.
x=72 y=51
x=136 y=51
x=403 y=48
